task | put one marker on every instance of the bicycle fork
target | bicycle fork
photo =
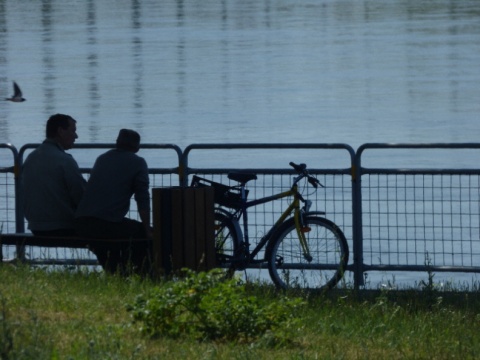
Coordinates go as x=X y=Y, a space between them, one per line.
x=303 y=228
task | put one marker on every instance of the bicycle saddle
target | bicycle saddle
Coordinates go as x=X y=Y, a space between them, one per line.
x=242 y=177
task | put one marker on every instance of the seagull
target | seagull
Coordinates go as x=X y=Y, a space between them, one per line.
x=17 y=94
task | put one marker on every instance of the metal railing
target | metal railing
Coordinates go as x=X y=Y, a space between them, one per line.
x=415 y=215
x=422 y=214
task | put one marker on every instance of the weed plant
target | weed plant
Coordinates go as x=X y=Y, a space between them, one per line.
x=72 y=314
x=209 y=307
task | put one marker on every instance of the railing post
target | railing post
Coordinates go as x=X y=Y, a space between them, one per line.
x=19 y=214
x=182 y=170
x=357 y=223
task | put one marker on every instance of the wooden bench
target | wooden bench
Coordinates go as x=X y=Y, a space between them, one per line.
x=28 y=239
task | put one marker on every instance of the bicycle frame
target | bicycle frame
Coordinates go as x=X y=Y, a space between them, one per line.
x=293 y=207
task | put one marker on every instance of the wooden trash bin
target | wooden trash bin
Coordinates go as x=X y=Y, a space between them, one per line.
x=183 y=229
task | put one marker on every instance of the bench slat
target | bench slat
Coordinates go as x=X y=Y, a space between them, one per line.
x=27 y=239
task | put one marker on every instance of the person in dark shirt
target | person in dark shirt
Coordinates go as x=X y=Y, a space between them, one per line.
x=117 y=175
x=52 y=183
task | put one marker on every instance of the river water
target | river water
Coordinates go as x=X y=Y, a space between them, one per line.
x=285 y=71
x=188 y=72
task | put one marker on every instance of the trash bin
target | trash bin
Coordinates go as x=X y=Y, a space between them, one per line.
x=183 y=229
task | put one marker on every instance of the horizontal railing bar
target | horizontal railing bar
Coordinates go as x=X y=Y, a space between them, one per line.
x=174 y=147
x=417 y=146
x=269 y=146
x=419 y=171
x=215 y=171
x=9 y=169
x=422 y=268
x=151 y=171
x=292 y=266
x=65 y=262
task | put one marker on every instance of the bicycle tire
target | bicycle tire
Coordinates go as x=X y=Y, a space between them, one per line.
x=328 y=247
x=226 y=242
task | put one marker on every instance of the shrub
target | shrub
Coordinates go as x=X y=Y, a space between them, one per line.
x=205 y=305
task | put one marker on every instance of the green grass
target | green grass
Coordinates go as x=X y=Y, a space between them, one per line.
x=80 y=315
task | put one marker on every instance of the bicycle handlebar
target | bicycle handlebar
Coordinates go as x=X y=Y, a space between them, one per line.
x=302 y=170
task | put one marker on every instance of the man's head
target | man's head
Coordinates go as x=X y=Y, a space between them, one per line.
x=128 y=140
x=62 y=129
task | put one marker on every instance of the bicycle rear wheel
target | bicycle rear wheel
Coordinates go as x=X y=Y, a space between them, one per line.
x=226 y=242
x=289 y=268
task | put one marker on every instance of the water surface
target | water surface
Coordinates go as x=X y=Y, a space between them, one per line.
x=253 y=71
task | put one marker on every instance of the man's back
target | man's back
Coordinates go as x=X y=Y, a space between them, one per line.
x=116 y=176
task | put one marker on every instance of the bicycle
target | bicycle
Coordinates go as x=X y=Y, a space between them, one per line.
x=303 y=249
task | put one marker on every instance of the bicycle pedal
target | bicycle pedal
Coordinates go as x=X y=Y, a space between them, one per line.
x=305 y=229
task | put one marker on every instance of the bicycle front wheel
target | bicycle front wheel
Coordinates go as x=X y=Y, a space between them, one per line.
x=321 y=269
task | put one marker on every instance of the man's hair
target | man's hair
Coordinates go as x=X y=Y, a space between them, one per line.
x=128 y=140
x=57 y=121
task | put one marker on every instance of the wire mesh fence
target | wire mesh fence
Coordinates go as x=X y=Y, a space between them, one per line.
x=414 y=219
x=7 y=201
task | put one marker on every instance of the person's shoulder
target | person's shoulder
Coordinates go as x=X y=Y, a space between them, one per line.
x=54 y=148
x=105 y=157
x=47 y=149
x=131 y=155
x=138 y=159
x=49 y=154
x=107 y=153
x=117 y=154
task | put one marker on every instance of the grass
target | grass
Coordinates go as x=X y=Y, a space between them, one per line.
x=82 y=315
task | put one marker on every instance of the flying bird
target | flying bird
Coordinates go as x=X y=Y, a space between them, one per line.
x=17 y=94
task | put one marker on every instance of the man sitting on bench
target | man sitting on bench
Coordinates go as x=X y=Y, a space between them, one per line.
x=116 y=176
x=52 y=182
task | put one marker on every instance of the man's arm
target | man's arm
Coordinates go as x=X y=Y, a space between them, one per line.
x=145 y=217
x=76 y=183
x=142 y=197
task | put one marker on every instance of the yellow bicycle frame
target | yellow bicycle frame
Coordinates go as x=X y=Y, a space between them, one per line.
x=294 y=207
